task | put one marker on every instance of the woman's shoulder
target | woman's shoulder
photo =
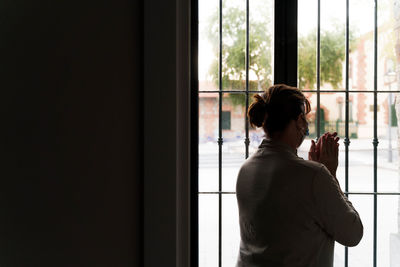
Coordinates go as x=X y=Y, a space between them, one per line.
x=309 y=165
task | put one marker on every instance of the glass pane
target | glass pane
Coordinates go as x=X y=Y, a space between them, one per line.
x=333 y=44
x=361 y=57
x=208 y=146
x=388 y=152
x=388 y=231
x=387 y=39
x=208 y=45
x=233 y=149
x=362 y=254
x=307 y=48
x=233 y=45
x=231 y=230
x=261 y=44
x=332 y=34
x=361 y=150
x=208 y=230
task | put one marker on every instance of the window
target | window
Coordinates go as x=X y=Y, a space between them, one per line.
x=240 y=55
x=226 y=120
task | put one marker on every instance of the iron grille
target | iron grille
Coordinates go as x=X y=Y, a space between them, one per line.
x=286 y=75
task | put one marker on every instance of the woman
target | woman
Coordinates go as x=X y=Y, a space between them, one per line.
x=291 y=210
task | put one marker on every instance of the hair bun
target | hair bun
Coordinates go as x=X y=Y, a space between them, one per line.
x=257 y=111
x=260 y=99
x=277 y=107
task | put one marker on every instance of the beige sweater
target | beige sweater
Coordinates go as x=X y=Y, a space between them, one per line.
x=291 y=211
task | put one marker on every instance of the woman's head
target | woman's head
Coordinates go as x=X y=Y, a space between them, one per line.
x=277 y=107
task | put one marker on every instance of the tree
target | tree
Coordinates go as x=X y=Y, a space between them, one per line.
x=332 y=49
x=234 y=50
x=260 y=45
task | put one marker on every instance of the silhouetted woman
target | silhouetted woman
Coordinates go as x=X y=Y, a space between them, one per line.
x=291 y=210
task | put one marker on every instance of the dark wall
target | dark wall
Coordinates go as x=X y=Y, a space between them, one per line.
x=68 y=112
x=160 y=126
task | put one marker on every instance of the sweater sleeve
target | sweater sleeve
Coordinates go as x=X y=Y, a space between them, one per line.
x=334 y=212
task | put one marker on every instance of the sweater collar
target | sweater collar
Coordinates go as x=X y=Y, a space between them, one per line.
x=278 y=145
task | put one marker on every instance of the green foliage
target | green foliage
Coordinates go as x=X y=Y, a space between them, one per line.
x=332 y=57
x=307 y=61
x=332 y=49
x=234 y=48
x=234 y=53
x=240 y=99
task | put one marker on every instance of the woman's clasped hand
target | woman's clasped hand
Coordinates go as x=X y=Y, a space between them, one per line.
x=326 y=151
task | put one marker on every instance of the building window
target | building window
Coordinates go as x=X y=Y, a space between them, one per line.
x=237 y=58
x=226 y=120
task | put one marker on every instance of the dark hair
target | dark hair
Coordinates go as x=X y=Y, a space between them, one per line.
x=276 y=107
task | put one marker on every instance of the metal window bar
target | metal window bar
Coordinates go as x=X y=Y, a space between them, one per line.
x=247 y=140
x=318 y=67
x=220 y=140
x=375 y=141
x=346 y=139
